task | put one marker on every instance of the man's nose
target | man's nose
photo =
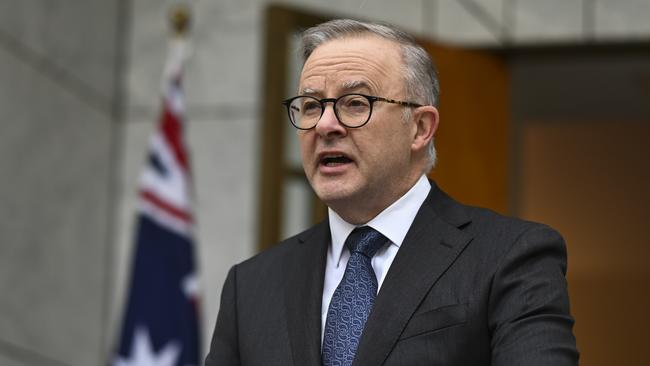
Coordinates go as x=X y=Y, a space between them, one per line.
x=329 y=124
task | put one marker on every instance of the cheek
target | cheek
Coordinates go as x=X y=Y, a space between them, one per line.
x=306 y=148
x=374 y=150
x=392 y=147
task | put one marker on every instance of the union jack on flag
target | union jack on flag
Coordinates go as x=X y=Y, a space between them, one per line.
x=160 y=325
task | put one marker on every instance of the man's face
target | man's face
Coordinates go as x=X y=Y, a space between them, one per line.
x=358 y=170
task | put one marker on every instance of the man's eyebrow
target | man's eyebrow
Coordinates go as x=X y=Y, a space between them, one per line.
x=307 y=91
x=346 y=86
x=354 y=84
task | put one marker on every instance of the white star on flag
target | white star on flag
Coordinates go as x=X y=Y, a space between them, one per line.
x=143 y=354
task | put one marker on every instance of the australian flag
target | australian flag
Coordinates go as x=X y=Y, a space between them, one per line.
x=160 y=326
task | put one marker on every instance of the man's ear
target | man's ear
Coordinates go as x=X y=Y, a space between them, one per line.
x=426 y=120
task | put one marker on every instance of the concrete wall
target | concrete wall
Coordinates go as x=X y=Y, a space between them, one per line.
x=79 y=84
x=58 y=103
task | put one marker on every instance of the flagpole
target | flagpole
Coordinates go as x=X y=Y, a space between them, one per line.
x=179 y=19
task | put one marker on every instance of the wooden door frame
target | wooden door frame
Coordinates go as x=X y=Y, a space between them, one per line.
x=281 y=23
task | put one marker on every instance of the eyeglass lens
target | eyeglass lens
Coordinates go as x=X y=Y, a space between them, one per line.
x=352 y=110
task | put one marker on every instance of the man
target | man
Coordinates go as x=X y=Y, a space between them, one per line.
x=399 y=274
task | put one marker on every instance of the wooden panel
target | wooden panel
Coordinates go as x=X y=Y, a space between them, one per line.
x=611 y=312
x=281 y=23
x=590 y=181
x=473 y=136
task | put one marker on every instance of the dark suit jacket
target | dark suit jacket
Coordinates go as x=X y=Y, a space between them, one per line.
x=468 y=287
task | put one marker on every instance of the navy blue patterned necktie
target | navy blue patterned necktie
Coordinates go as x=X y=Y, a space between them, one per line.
x=353 y=298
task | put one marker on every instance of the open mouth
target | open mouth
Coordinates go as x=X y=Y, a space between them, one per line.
x=335 y=160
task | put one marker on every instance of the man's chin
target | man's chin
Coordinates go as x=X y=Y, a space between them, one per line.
x=332 y=192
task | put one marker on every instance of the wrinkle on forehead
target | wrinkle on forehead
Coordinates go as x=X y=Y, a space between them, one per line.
x=354 y=84
x=340 y=67
x=344 y=86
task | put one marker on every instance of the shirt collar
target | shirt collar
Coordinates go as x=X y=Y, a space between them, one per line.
x=393 y=222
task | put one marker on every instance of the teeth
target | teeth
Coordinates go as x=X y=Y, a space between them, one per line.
x=332 y=160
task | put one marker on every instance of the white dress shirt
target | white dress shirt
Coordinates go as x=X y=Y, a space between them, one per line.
x=393 y=222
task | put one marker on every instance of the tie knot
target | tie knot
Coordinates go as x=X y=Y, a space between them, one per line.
x=365 y=240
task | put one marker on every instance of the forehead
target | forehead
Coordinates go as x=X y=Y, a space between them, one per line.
x=368 y=62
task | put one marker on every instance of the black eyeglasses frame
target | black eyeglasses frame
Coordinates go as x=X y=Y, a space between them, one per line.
x=371 y=100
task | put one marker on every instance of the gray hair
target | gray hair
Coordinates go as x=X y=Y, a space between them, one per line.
x=420 y=77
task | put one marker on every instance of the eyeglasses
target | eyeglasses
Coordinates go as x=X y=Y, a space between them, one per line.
x=352 y=110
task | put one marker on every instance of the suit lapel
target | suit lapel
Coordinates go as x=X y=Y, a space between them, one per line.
x=304 y=294
x=430 y=247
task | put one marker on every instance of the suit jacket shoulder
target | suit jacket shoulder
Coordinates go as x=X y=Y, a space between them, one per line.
x=270 y=305
x=285 y=249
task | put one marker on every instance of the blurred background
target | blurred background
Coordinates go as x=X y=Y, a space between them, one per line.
x=546 y=103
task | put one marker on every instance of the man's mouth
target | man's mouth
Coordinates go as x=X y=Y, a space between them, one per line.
x=335 y=160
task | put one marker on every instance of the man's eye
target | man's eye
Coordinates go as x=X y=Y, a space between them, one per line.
x=310 y=107
x=356 y=103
